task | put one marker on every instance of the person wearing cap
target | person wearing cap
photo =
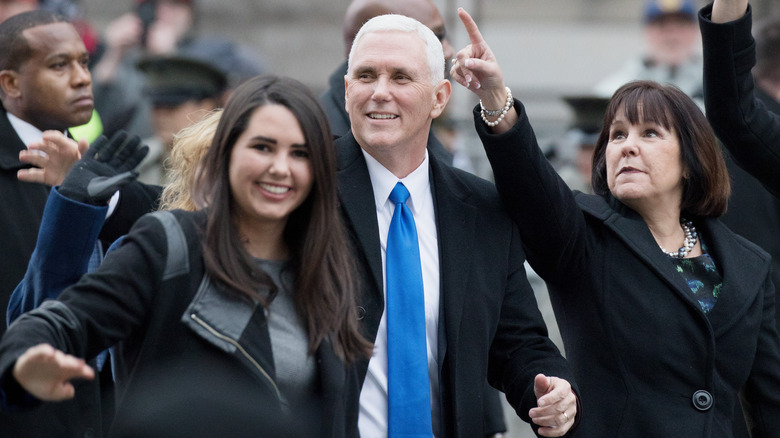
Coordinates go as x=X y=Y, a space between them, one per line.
x=181 y=91
x=671 y=53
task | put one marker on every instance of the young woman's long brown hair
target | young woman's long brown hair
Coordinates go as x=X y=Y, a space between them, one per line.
x=325 y=280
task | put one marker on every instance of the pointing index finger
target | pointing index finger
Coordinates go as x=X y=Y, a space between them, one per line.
x=471 y=27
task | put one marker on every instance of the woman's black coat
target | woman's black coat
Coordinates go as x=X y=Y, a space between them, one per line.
x=191 y=360
x=648 y=361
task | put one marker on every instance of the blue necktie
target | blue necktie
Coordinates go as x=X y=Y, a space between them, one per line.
x=409 y=405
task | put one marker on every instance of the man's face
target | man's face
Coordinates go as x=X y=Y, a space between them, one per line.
x=672 y=39
x=391 y=99
x=54 y=84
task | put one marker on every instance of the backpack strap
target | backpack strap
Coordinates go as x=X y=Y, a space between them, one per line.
x=178 y=261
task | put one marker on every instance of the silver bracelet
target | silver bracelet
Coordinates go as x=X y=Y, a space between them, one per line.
x=485 y=113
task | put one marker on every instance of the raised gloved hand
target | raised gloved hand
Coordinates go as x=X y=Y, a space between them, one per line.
x=104 y=168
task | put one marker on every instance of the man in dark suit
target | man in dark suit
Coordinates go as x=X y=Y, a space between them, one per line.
x=45 y=86
x=480 y=313
x=332 y=100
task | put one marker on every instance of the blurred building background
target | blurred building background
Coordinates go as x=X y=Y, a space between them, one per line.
x=547 y=49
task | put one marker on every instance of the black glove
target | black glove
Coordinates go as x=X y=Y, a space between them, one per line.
x=104 y=168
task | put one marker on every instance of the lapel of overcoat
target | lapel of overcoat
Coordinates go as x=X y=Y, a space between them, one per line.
x=633 y=231
x=731 y=257
x=740 y=264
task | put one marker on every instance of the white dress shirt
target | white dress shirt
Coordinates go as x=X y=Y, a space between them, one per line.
x=27 y=132
x=372 y=420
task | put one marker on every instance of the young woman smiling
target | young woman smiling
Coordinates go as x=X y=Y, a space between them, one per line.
x=261 y=305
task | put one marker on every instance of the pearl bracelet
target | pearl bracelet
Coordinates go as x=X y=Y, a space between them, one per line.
x=499 y=112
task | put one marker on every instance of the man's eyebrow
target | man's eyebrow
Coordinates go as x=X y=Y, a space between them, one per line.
x=56 y=56
x=402 y=70
x=363 y=69
x=67 y=55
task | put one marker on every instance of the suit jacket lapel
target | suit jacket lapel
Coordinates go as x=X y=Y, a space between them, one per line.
x=357 y=202
x=455 y=219
x=456 y=230
x=12 y=144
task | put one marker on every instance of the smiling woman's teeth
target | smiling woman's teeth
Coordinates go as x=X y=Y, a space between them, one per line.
x=277 y=190
x=382 y=116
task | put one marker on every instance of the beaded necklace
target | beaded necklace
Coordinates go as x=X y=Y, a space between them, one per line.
x=690 y=240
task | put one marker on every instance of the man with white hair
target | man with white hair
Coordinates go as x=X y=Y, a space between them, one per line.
x=358 y=12
x=445 y=299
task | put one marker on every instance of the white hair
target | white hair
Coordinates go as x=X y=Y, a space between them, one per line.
x=394 y=22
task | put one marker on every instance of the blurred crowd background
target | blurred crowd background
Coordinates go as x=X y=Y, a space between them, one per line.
x=548 y=48
x=551 y=51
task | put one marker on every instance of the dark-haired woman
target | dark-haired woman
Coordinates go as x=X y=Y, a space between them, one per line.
x=666 y=315
x=246 y=324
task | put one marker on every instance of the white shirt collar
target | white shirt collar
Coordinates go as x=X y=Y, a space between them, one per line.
x=27 y=132
x=383 y=182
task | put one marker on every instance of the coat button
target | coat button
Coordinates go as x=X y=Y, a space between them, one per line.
x=702 y=400
x=361 y=312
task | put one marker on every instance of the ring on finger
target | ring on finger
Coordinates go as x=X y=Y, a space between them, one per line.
x=566 y=417
x=454 y=60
